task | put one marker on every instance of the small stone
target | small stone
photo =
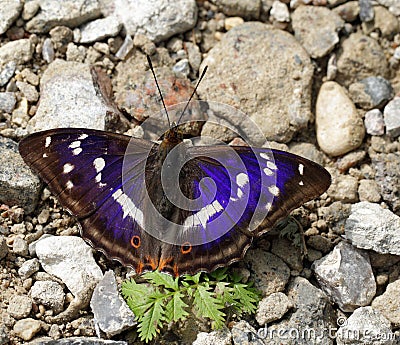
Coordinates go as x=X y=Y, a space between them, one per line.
x=346 y=276
x=60 y=37
x=389 y=303
x=194 y=56
x=43 y=216
x=391 y=116
x=28 y=268
x=30 y=76
x=27 y=328
x=368 y=191
x=350 y=160
x=220 y=337
x=231 y=22
x=370 y=226
x=7 y=72
x=338 y=125
x=288 y=252
x=125 y=48
x=48 y=50
x=20 y=115
x=3 y=247
x=384 y=21
x=349 y=11
x=343 y=188
x=242 y=332
x=20 y=247
x=4 y=338
x=19 y=51
x=29 y=91
x=30 y=9
x=75 y=53
x=366 y=10
x=49 y=294
x=100 y=29
x=102 y=48
x=9 y=12
x=272 y=308
x=182 y=67
x=19 y=306
x=7 y=101
x=280 y=12
x=247 y=9
x=320 y=243
x=374 y=122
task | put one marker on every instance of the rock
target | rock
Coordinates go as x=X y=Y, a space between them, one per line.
x=157 y=19
x=29 y=91
x=338 y=125
x=182 y=67
x=389 y=303
x=316 y=28
x=343 y=188
x=27 y=328
x=235 y=78
x=270 y=274
x=244 y=334
x=20 y=246
x=391 y=116
x=247 y=9
x=48 y=51
x=4 y=338
x=288 y=252
x=384 y=21
x=19 y=51
x=68 y=99
x=48 y=293
x=7 y=101
x=231 y=22
x=3 y=247
x=19 y=306
x=350 y=160
x=280 y=12
x=346 y=276
x=349 y=11
x=368 y=190
x=374 y=123
x=370 y=226
x=111 y=312
x=78 y=341
x=272 y=308
x=75 y=53
x=28 y=268
x=366 y=326
x=125 y=48
x=61 y=36
x=307 y=150
x=335 y=215
x=392 y=5
x=7 y=72
x=320 y=243
x=70 y=13
x=366 y=10
x=9 y=12
x=20 y=115
x=194 y=55
x=70 y=259
x=220 y=337
x=99 y=29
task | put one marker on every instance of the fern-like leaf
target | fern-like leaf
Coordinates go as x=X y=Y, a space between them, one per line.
x=175 y=309
x=206 y=305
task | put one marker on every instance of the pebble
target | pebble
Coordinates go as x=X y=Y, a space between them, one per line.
x=20 y=115
x=100 y=29
x=343 y=188
x=111 y=313
x=194 y=56
x=348 y=11
x=73 y=13
x=7 y=101
x=345 y=274
x=231 y=22
x=247 y=9
x=220 y=337
x=235 y=78
x=308 y=151
x=288 y=252
x=27 y=328
x=9 y=12
x=182 y=67
x=48 y=293
x=371 y=92
x=244 y=334
x=78 y=341
x=389 y=303
x=4 y=338
x=30 y=9
x=60 y=37
x=7 y=72
x=70 y=259
x=366 y=10
x=272 y=308
x=43 y=216
x=374 y=122
x=125 y=48
x=19 y=51
x=339 y=127
x=19 y=306
x=29 y=91
x=20 y=247
x=28 y=268
x=368 y=191
x=365 y=326
x=48 y=51
x=316 y=28
x=158 y=20
x=392 y=5
x=391 y=117
x=3 y=247
x=370 y=226
x=384 y=22
x=280 y=12
x=350 y=160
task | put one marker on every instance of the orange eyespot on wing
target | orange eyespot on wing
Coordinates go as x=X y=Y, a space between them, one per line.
x=186 y=248
x=135 y=241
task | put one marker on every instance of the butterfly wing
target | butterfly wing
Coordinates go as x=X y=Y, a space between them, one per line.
x=84 y=170
x=254 y=188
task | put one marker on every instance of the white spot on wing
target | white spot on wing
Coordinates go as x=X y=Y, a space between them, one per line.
x=67 y=168
x=268 y=171
x=82 y=136
x=301 y=183
x=272 y=165
x=203 y=215
x=69 y=185
x=48 y=142
x=239 y=193
x=44 y=155
x=242 y=179
x=128 y=207
x=99 y=164
x=76 y=151
x=265 y=156
x=98 y=180
x=274 y=190
x=75 y=144
x=301 y=169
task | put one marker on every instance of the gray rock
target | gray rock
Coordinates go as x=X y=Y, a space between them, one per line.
x=9 y=12
x=4 y=338
x=346 y=276
x=99 y=29
x=19 y=306
x=370 y=226
x=272 y=308
x=384 y=21
x=389 y=303
x=68 y=99
x=27 y=328
x=244 y=334
x=348 y=11
x=366 y=10
x=350 y=160
x=248 y=9
x=366 y=326
x=70 y=259
x=77 y=341
x=339 y=127
x=125 y=48
x=7 y=72
x=220 y=337
x=392 y=5
x=387 y=176
x=19 y=51
x=157 y=19
x=288 y=252
x=270 y=273
x=111 y=312
x=343 y=188
x=374 y=123
x=70 y=13
x=3 y=247
x=391 y=116
x=28 y=90
x=316 y=28
x=18 y=185
x=48 y=293
x=182 y=67
x=48 y=51
x=307 y=150
x=235 y=78
x=7 y=101
x=20 y=246
x=368 y=190
x=194 y=56
x=28 y=268
x=360 y=57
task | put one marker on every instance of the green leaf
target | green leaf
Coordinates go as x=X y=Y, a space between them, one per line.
x=247 y=297
x=137 y=296
x=208 y=306
x=174 y=310
x=161 y=279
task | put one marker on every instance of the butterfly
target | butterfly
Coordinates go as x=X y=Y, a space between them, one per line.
x=168 y=205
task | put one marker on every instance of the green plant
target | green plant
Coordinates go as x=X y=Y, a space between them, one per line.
x=164 y=299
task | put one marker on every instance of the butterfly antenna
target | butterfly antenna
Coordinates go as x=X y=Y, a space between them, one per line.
x=194 y=91
x=159 y=90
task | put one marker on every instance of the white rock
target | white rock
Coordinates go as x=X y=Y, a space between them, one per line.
x=280 y=11
x=339 y=127
x=9 y=11
x=391 y=116
x=100 y=29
